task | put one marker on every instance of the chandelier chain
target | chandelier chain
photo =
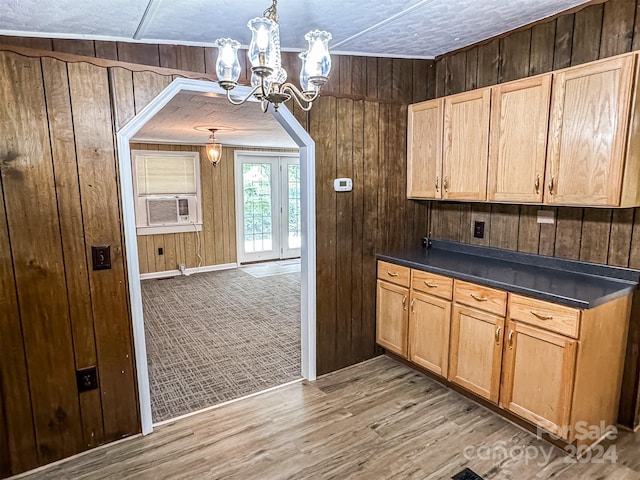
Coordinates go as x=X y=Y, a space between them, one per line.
x=272 y=12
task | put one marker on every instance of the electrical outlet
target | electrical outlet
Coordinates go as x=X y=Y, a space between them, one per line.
x=160 y=251
x=87 y=379
x=478 y=230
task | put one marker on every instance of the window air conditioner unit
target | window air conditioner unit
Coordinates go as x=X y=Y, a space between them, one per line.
x=174 y=210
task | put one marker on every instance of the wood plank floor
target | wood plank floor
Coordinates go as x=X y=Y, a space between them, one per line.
x=375 y=420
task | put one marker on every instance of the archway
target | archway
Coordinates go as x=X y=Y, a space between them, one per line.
x=308 y=253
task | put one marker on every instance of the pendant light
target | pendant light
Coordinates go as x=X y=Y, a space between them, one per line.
x=214 y=149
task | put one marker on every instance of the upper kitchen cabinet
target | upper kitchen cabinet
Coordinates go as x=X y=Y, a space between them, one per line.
x=466 y=145
x=424 y=149
x=588 y=127
x=518 y=140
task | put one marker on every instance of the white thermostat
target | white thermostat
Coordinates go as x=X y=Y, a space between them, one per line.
x=343 y=184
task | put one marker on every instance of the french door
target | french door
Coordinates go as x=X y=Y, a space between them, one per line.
x=267 y=188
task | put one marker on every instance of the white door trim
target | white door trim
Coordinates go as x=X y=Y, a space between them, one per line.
x=308 y=257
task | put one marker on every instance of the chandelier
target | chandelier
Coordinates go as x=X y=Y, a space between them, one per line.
x=268 y=78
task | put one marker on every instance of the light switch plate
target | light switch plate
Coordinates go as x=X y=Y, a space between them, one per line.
x=546 y=216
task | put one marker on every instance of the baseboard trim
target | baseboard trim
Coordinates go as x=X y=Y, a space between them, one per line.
x=188 y=271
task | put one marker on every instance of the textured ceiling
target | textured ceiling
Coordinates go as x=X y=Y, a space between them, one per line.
x=408 y=28
x=243 y=125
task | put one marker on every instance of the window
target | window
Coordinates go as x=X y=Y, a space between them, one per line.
x=167 y=190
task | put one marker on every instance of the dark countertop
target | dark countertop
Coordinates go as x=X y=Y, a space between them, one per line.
x=567 y=282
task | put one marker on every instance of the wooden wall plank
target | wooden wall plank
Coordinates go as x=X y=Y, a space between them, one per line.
x=542 y=45
x=488 y=63
x=28 y=42
x=370 y=227
x=587 y=34
x=146 y=87
x=15 y=396
x=323 y=128
x=617 y=27
x=441 y=77
x=31 y=210
x=568 y=233
x=344 y=230
x=76 y=47
x=181 y=57
x=122 y=95
x=372 y=77
x=504 y=226
x=528 y=229
x=471 y=69
x=94 y=143
x=141 y=53
x=359 y=76
x=620 y=237
x=594 y=241
x=106 y=50
x=420 y=81
x=385 y=78
x=514 y=56
x=564 y=43
x=455 y=75
x=71 y=228
x=358 y=232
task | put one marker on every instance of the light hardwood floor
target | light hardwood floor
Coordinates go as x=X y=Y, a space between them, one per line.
x=375 y=420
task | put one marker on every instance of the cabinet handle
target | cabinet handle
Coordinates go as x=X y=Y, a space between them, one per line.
x=404 y=302
x=445 y=184
x=551 y=182
x=540 y=316
x=537 y=184
x=431 y=285
x=511 y=339
x=480 y=299
x=392 y=274
x=438 y=183
x=498 y=334
x=413 y=301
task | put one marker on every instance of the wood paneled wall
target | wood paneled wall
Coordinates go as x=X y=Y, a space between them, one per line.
x=401 y=80
x=60 y=190
x=216 y=243
x=607 y=236
x=60 y=196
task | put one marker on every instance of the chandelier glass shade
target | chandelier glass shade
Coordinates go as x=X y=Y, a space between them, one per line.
x=268 y=78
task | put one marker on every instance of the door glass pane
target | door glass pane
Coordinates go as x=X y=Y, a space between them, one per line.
x=293 y=181
x=256 y=184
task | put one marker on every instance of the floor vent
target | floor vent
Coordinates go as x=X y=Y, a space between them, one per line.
x=467 y=474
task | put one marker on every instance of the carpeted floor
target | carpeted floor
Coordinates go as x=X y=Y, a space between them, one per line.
x=216 y=336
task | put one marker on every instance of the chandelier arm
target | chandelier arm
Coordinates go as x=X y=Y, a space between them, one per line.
x=300 y=97
x=235 y=102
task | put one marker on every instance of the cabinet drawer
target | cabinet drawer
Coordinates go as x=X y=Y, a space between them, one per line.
x=550 y=316
x=482 y=298
x=432 y=284
x=393 y=273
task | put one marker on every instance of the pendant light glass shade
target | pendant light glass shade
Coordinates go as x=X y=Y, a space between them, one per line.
x=318 y=61
x=261 y=49
x=227 y=64
x=214 y=149
x=306 y=85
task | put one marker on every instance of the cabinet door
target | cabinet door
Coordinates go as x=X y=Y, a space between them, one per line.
x=539 y=376
x=476 y=351
x=518 y=146
x=392 y=316
x=587 y=133
x=424 y=149
x=466 y=145
x=429 y=324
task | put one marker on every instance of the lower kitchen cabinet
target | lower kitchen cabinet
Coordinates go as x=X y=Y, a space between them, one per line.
x=555 y=366
x=476 y=351
x=429 y=322
x=392 y=316
x=539 y=369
